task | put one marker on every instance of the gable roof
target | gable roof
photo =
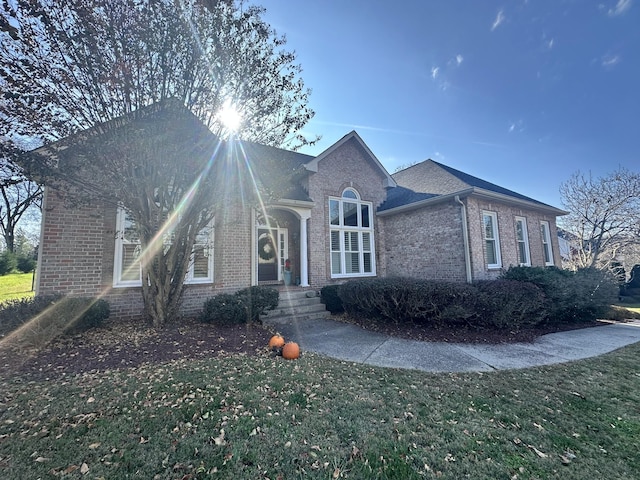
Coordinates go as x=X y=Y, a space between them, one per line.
x=431 y=181
x=268 y=165
x=312 y=166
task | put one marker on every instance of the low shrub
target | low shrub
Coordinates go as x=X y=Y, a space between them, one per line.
x=14 y=313
x=258 y=300
x=329 y=296
x=39 y=320
x=405 y=299
x=224 y=309
x=243 y=306
x=619 y=314
x=509 y=304
x=577 y=296
x=89 y=313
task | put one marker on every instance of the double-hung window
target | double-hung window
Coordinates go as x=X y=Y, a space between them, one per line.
x=351 y=236
x=127 y=270
x=546 y=243
x=522 y=241
x=491 y=239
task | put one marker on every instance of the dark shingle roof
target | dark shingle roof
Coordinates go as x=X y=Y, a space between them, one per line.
x=430 y=179
x=270 y=165
x=399 y=196
x=479 y=183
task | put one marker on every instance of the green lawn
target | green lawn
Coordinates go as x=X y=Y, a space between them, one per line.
x=264 y=417
x=633 y=307
x=15 y=286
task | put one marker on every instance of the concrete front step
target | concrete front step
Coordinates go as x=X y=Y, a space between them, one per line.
x=296 y=304
x=293 y=318
x=291 y=309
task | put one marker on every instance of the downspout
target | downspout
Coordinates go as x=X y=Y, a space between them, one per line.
x=465 y=237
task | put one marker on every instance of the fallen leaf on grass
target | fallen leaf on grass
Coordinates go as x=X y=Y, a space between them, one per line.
x=538 y=452
x=219 y=440
x=84 y=469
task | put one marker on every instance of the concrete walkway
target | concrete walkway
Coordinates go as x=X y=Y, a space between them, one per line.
x=352 y=343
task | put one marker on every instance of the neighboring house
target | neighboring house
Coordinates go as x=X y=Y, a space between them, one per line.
x=344 y=217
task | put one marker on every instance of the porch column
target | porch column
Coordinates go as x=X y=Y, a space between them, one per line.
x=304 y=255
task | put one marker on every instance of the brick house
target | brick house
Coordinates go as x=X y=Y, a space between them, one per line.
x=344 y=217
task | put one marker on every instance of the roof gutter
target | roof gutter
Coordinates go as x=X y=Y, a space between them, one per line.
x=479 y=192
x=465 y=237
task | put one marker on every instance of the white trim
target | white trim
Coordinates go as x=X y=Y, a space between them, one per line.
x=121 y=216
x=525 y=241
x=547 y=247
x=478 y=192
x=495 y=239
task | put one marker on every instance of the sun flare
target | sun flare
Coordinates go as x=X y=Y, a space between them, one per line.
x=230 y=117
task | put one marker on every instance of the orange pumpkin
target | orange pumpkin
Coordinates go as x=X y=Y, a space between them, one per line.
x=291 y=351
x=277 y=341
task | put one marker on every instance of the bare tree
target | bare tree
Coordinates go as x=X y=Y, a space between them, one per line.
x=604 y=216
x=19 y=196
x=120 y=72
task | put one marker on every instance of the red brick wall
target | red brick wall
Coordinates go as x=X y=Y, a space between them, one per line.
x=426 y=243
x=77 y=254
x=507 y=235
x=347 y=166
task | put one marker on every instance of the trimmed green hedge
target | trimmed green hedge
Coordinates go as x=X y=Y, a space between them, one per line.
x=570 y=296
x=243 y=306
x=523 y=297
x=47 y=317
x=329 y=296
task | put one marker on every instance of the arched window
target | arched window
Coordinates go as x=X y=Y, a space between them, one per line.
x=351 y=236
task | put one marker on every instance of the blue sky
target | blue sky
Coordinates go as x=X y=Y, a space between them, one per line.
x=520 y=93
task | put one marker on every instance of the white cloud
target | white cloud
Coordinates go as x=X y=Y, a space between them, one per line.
x=621 y=7
x=610 y=61
x=550 y=44
x=434 y=72
x=517 y=126
x=459 y=59
x=498 y=21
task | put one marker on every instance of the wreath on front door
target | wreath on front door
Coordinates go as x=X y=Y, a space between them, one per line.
x=266 y=250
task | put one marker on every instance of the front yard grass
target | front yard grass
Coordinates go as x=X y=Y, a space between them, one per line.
x=15 y=286
x=248 y=417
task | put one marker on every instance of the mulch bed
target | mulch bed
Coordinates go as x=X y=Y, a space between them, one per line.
x=460 y=334
x=127 y=345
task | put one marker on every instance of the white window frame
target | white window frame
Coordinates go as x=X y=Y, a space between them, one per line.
x=547 y=248
x=523 y=242
x=120 y=241
x=350 y=195
x=495 y=239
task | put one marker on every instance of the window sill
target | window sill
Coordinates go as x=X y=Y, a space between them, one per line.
x=354 y=275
